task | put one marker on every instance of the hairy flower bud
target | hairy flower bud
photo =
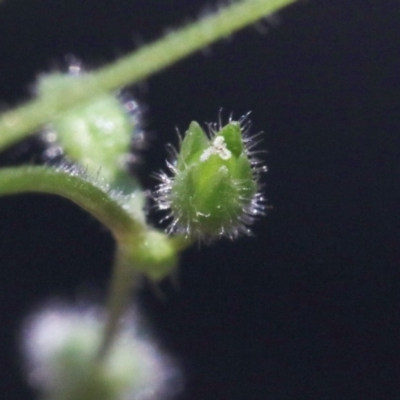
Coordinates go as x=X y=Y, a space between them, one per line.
x=214 y=190
x=96 y=135
x=61 y=346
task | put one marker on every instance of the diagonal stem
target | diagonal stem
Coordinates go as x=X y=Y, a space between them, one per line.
x=150 y=59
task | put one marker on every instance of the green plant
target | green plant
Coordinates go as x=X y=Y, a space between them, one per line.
x=89 y=358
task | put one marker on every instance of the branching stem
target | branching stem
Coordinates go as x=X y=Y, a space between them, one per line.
x=140 y=248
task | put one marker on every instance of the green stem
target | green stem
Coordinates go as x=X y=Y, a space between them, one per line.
x=15 y=125
x=117 y=299
x=92 y=199
x=123 y=280
x=144 y=244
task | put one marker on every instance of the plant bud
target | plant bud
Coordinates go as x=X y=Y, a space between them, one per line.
x=61 y=346
x=96 y=135
x=214 y=190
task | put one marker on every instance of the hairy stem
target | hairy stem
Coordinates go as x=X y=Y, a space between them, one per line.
x=92 y=199
x=16 y=124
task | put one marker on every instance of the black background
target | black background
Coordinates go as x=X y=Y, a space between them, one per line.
x=309 y=308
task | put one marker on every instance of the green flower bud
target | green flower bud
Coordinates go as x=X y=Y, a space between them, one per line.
x=61 y=347
x=214 y=190
x=96 y=135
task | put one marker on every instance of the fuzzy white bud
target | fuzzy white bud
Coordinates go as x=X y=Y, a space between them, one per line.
x=61 y=346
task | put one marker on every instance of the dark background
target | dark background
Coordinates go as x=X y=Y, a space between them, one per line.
x=309 y=308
